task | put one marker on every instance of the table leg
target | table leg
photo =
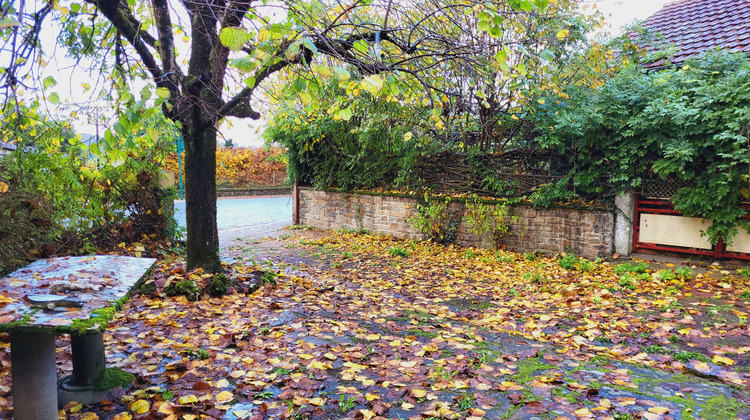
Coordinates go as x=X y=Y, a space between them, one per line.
x=34 y=375
x=87 y=352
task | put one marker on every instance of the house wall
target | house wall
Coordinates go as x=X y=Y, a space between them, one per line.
x=586 y=233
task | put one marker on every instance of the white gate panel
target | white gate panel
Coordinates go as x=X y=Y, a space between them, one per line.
x=740 y=242
x=682 y=231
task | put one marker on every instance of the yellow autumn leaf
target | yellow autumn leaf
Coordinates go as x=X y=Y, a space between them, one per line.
x=702 y=367
x=140 y=406
x=6 y=299
x=409 y=363
x=166 y=408
x=89 y=416
x=365 y=381
x=367 y=414
x=221 y=383
x=418 y=393
x=406 y=406
x=76 y=408
x=122 y=416
x=188 y=399
x=721 y=360
x=583 y=412
x=242 y=414
x=317 y=401
x=224 y=396
x=461 y=384
x=372 y=397
x=306 y=356
x=3 y=187
x=317 y=364
x=562 y=34
x=658 y=410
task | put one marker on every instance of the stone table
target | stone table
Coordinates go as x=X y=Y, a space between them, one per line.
x=93 y=288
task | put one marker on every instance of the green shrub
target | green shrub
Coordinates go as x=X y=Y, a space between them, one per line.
x=547 y=194
x=639 y=268
x=680 y=123
x=25 y=228
x=627 y=282
x=80 y=197
x=435 y=219
x=585 y=265
x=568 y=262
x=684 y=272
x=666 y=275
x=490 y=220
x=398 y=251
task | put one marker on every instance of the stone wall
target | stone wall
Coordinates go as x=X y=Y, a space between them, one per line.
x=249 y=192
x=550 y=231
x=329 y=210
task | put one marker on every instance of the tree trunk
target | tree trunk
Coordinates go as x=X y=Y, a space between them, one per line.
x=200 y=195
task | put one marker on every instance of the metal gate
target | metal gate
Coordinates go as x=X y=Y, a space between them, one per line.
x=658 y=226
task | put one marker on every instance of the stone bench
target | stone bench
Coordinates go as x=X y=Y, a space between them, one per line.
x=70 y=295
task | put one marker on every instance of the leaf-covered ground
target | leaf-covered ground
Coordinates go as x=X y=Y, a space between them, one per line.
x=361 y=326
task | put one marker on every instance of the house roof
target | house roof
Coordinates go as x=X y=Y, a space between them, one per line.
x=695 y=26
x=7 y=146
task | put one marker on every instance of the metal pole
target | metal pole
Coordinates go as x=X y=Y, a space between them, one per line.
x=180 y=149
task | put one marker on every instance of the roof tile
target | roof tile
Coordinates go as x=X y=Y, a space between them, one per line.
x=695 y=26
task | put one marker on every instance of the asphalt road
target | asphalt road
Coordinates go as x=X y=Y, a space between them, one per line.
x=244 y=213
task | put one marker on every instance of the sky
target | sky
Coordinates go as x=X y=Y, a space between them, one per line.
x=622 y=12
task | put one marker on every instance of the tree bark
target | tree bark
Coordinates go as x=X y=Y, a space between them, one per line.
x=200 y=195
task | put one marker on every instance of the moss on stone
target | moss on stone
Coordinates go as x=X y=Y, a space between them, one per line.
x=220 y=285
x=421 y=333
x=11 y=326
x=97 y=322
x=112 y=378
x=527 y=368
x=720 y=407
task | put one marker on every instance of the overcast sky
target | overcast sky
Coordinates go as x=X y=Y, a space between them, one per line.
x=622 y=12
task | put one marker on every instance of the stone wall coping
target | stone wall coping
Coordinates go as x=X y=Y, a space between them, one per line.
x=604 y=207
